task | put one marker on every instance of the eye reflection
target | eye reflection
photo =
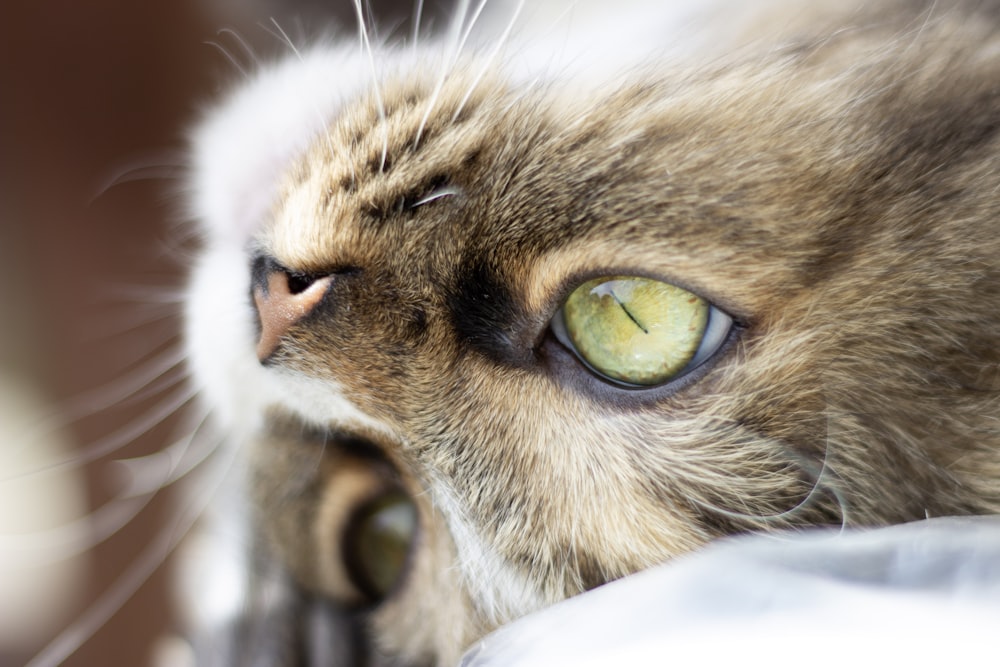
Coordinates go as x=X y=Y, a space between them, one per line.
x=378 y=541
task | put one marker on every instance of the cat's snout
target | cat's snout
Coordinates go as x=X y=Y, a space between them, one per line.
x=282 y=299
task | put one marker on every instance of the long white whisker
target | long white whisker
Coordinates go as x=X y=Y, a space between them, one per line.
x=123 y=436
x=417 y=16
x=148 y=475
x=166 y=165
x=431 y=102
x=120 y=392
x=156 y=325
x=247 y=49
x=74 y=537
x=455 y=29
x=366 y=48
x=285 y=38
x=489 y=60
x=817 y=487
x=324 y=122
x=151 y=558
x=468 y=29
x=151 y=472
x=131 y=385
x=121 y=325
x=158 y=386
x=457 y=38
x=454 y=40
x=144 y=294
x=229 y=56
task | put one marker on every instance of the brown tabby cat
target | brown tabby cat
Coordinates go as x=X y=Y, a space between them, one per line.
x=494 y=334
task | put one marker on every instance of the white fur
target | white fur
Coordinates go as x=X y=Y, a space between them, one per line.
x=244 y=146
x=501 y=592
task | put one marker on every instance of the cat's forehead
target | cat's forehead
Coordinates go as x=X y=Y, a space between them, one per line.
x=442 y=175
x=368 y=179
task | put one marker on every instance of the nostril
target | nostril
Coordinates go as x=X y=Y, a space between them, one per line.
x=300 y=282
x=282 y=299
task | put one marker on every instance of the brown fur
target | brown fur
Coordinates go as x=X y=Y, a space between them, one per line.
x=837 y=196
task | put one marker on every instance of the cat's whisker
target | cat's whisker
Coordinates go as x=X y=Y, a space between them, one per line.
x=816 y=488
x=147 y=295
x=129 y=389
x=469 y=28
x=228 y=56
x=366 y=49
x=165 y=166
x=435 y=195
x=153 y=320
x=283 y=37
x=157 y=387
x=418 y=11
x=84 y=533
x=323 y=122
x=162 y=371
x=431 y=103
x=149 y=473
x=139 y=571
x=457 y=39
x=501 y=42
x=70 y=539
x=455 y=27
x=251 y=55
x=116 y=440
x=77 y=536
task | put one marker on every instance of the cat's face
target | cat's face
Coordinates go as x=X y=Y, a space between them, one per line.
x=398 y=332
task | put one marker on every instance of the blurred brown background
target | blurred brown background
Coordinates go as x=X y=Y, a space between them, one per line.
x=94 y=101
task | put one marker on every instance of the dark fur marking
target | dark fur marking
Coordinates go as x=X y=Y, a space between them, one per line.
x=484 y=313
x=376 y=165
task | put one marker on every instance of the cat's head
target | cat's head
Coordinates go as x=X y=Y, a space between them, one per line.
x=488 y=344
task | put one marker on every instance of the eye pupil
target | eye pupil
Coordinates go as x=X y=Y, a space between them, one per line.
x=378 y=542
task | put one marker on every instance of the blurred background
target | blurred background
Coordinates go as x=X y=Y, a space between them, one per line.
x=94 y=100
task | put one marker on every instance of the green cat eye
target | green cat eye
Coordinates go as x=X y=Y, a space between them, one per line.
x=638 y=331
x=378 y=542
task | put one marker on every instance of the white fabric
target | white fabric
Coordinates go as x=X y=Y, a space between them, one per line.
x=925 y=593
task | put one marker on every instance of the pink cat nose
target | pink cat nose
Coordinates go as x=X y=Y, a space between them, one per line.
x=283 y=302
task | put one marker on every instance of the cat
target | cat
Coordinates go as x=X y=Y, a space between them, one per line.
x=495 y=321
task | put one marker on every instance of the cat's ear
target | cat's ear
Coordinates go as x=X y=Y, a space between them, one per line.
x=242 y=147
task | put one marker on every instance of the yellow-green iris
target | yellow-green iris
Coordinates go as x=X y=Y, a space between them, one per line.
x=635 y=330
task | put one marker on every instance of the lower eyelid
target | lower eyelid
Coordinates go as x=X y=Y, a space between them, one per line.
x=570 y=374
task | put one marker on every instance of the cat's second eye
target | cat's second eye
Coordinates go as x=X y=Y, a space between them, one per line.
x=378 y=542
x=639 y=332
